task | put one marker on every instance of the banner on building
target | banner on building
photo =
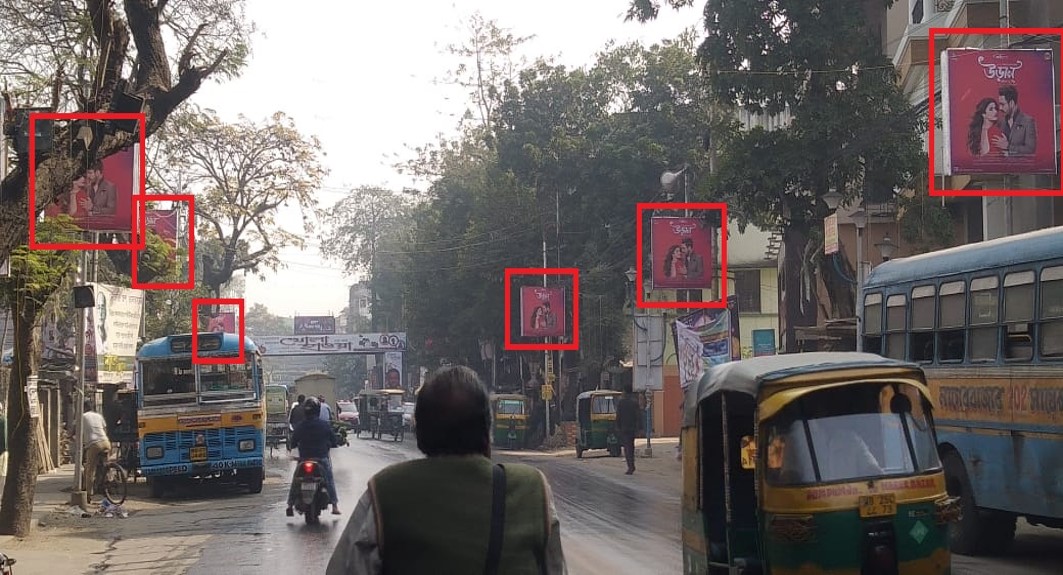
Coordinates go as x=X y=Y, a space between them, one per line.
x=542 y=311
x=763 y=342
x=101 y=200
x=164 y=224
x=279 y=345
x=706 y=338
x=117 y=317
x=315 y=325
x=999 y=111
x=681 y=253
x=393 y=370
x=830 y=234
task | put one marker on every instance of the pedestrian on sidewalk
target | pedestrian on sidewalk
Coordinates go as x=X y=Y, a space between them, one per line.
x=454 y=511
x=627 y=420
x=96 y=444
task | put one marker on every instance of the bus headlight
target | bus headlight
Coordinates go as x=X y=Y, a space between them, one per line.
x=154 y=452
x=246 y=444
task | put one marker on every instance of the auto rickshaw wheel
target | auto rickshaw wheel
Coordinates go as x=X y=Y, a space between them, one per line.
x=977 y=531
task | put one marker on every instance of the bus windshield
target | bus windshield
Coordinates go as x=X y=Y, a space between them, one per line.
x=226 y=382
x=855 y=432
x=168 y=382
x=510 y=407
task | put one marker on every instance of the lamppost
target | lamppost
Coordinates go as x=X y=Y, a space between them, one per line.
x=886 y=248
x=631 y=274
x=860 y=221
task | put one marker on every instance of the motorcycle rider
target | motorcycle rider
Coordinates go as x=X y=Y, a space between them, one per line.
x=314 y=438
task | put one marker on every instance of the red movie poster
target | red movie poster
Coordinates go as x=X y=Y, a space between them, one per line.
x=682 y=253
x=164 y=224
x=101 y=200
x=222 y=322
x=999 y=111
x=542 y=311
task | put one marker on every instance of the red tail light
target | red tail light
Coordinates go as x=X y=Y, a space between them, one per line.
x=308 y=467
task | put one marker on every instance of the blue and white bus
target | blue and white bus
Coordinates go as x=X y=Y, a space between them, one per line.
x=200 y=421
x=985 y=321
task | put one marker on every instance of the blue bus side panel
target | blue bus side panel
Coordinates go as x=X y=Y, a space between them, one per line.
x=1016 y=473
x=222 y=451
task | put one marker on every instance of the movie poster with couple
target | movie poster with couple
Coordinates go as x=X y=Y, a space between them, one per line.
x=999 y=112
x=682 y=253
x=542 y=311
x=101 y=199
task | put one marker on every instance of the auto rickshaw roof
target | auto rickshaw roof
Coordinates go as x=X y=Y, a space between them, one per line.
x=517 y=396
x=598 y=392
x=749 y=376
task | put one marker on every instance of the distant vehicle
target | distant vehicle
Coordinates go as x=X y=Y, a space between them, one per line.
x=348 y=412
x=407 y=416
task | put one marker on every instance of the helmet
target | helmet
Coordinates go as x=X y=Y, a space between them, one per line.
x=312 y=407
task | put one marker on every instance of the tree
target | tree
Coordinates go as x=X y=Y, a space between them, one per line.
x=361 y=225
x=851 y=128
x=246 y=172
x=72 y=56
x=259 y=322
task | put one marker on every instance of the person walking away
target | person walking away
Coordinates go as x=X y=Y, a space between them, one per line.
x=298 y=413
x=96 y=444
x=314 y=438
x=627 y=418
x=326 y=410
x=453 y=511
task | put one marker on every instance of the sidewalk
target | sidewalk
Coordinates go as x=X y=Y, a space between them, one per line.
x=61 y=539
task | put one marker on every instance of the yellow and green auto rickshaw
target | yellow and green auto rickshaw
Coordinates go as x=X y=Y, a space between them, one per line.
x=277 y=410
x=813 y=463
x=510 y=414
x=596 y=415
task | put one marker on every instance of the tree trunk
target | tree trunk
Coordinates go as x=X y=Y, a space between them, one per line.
x=839 y=279
x=797 y=305
x=17 y=507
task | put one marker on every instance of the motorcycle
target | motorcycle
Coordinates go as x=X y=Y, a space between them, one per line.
x=5 y=564
x=313 y=490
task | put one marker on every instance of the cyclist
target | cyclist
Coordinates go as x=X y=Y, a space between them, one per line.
x=96 y=444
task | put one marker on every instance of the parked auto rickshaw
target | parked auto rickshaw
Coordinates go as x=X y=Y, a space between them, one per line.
x=277 y=410
x=510 y=413
x=596 y=415
x=813 y=463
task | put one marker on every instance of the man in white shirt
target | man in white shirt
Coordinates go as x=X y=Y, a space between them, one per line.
x=96 y=443
x=326 y=410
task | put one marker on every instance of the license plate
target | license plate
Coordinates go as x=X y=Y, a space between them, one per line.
x=878 y=505
x=198 y=454
x=309 y=486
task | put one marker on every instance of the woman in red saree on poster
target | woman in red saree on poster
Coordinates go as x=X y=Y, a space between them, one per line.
x=985 y=129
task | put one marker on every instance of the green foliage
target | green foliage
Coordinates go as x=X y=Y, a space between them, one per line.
x=926 y=225
x=168 y=312
x=37 y=274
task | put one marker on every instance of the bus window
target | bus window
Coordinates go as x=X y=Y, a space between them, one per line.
x=985 y=306
x=1018 y=313
x=873 y=323
x=1051 y=332
x=951 y=334
x=921 y=340
x=168 y=382
x=895 y=325
x=226 y=381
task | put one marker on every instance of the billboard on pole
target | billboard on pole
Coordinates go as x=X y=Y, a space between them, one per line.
x=542 y=311
x=682 y=253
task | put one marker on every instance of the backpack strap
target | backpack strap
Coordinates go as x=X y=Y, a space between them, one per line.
x=498 y=519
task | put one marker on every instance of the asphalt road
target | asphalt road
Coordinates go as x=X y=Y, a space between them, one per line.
x=611 y=524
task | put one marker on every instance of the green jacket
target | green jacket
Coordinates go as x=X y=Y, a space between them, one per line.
x=433 y=516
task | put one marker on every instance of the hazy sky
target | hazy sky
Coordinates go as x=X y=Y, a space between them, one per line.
x=359 y=76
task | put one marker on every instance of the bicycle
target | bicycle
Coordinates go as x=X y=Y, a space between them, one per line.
x=111 y=479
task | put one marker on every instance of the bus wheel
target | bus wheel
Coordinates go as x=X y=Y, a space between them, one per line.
x=157 y=487
x=255 y=478
x=977 y=532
